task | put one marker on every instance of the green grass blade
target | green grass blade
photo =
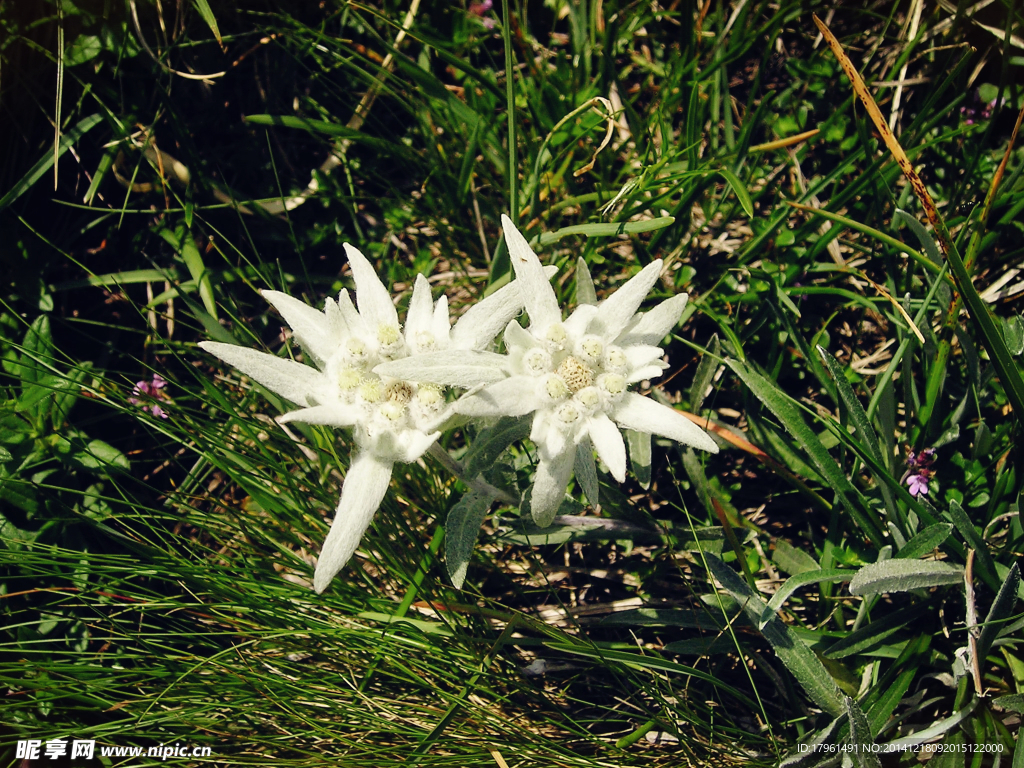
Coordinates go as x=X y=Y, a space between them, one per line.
x=786 y=411
x=207 y=13
x=870 y=635
x=331 y=129
x=793 y=583
x=798 y=658
x=965 y=526
x=183 y=242
x=857 y=413
x=1001 y=609
x=1007 y=368
x=739 y=190
x=47 y=161
x=860 y=739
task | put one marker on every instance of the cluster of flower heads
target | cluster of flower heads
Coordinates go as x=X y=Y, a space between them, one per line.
x=148 y=394
x=919 y=471
x=387 y=383
x=976 y=113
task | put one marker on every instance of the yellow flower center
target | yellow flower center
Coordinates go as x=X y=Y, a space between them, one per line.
x=588 y=397
x=370 y=391
x=555 y=333
x=355 y=346
x=612 y=383
x=592 y=348
x=537 y=361
x=388 y=335
x=348 y=379
x=616 y=358
x=575 y=374
x=568 y=413
x=430 y=395
x=398 y=392
x=392 y=411
x=556 y=387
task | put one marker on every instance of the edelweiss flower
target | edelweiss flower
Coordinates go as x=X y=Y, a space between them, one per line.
x=392 y=419
x=574 y=376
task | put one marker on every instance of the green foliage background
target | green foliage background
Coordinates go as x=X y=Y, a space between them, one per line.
x=155 y=572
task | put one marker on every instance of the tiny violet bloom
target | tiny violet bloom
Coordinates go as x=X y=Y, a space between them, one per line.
x=146 y=391
x=920 y=472
x=573 y=376
x=918 y=484
x=392 y=419
x=481 y=10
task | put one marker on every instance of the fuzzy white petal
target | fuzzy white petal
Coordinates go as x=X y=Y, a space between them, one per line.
x=328 y=415
x=372 y=297
x=361 y=494
x=651 y=327
x=337 y=327
x=464 y=369
x=652 y=371
x=514 y=396
x=441 y=325
x=517 y=337
x=639 y=355
x=618 y=309
x=551 y=437
x=412 y=444
x=586 y=470
x=353 y=322
x=538 y=295
x=579 y=321
x=310 y=326
x=644 y=415
x=549 y=487
x=287 y=378
x=420 y=316
x=585 y=293
x=609 y=444
x=486 y=319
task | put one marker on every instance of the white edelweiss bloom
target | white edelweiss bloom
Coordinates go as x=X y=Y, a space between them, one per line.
x=392 y=419
x=574 y=376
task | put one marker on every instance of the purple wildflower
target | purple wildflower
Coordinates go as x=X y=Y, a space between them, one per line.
x=150 y=390
x=481 y=8
x=976 y=112
x=922 y=460
x=918 y=484
x=919 y=471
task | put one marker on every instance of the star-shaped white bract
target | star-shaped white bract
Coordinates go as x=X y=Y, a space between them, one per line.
x=573 y=376
x=393 y=420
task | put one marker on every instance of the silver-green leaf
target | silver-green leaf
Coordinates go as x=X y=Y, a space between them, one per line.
x=904 y=575
x=461 y=531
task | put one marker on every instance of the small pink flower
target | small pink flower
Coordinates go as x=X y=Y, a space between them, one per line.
x=150 y=390
x=482 y=8
x=918 y=485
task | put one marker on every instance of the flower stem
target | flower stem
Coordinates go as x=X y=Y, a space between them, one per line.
x=477 y=483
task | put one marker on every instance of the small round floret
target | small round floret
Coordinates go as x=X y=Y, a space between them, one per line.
x=555 y=387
